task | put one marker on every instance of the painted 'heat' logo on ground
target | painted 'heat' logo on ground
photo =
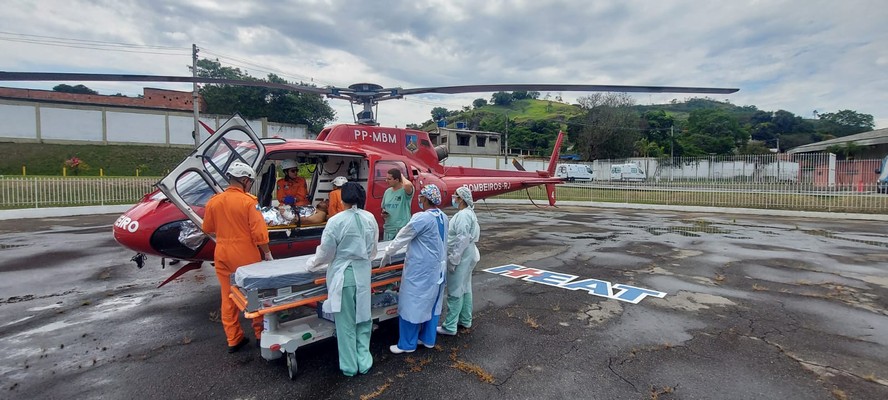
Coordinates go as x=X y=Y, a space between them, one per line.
x=595 y=287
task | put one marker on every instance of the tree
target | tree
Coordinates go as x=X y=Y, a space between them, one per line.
x=478 y=103
x=73 y=89
x=846 y=122
x=519 y=95
x=645 y=148
x=658 y=126
x=713 y=131
x=501 y=98
x=533 y=95
x=607 y=128
x=847 y=151
x=439 y=113
x=277 y=105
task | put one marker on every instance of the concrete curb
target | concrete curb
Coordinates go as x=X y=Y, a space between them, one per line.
x=120 y=209
x=27 y=213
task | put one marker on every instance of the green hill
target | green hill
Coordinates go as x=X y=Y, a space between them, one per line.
x=116 y=160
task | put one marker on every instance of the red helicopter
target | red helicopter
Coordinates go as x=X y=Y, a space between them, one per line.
x=363 y=152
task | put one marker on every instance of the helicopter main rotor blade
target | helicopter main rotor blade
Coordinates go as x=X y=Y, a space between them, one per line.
x=566 y=87
x=88 y=77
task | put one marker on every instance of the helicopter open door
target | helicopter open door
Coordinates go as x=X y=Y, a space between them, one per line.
x=202 y=174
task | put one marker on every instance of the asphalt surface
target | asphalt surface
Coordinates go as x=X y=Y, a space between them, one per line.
x=756 y=307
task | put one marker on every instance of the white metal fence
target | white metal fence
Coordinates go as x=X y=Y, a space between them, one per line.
x=57 y=191
x=808 y=182
x=816 y=182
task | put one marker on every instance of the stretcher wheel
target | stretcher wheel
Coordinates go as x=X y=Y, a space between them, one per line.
x=292 y=367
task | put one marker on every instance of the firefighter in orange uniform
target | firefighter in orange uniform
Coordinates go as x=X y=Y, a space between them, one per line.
x=336 y=204
x=292 y=189
x=241 y=238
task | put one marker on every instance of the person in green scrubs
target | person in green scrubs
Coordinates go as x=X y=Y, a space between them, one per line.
x=396 y=203
x=347 y=246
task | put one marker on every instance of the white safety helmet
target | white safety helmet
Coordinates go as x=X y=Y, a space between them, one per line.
x=288 y=164
x=339 y=181
x=238 y=169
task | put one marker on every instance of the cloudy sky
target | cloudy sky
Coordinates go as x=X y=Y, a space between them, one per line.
x=799 y=55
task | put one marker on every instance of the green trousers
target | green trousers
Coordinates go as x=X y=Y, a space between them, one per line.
x=459 y=309
x=352 y=338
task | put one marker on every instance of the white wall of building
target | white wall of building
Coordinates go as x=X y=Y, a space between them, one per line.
x=70 y=124
x=128 y=127
x=18 y=122
x=101 y=124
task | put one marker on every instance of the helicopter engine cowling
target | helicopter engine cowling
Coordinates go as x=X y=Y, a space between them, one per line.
x=442 y=152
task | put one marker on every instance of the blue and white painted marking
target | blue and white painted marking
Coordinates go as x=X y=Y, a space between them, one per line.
x=595 y=287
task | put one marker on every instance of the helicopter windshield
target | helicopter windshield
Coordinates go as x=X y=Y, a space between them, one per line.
x=192 y=187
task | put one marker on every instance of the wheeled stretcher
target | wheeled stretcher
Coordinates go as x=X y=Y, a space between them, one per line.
x=289 y=298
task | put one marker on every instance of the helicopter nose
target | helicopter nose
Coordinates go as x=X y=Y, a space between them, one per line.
x=134 y=227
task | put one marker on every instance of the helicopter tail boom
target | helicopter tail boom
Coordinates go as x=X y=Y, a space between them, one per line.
x=554 y=159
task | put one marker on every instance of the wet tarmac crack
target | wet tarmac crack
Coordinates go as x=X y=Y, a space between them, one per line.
x=610 y=366
x=29 y=297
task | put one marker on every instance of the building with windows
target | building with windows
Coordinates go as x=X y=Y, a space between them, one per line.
x=468 y=142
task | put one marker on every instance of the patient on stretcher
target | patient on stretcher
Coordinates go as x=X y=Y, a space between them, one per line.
x=285 y=215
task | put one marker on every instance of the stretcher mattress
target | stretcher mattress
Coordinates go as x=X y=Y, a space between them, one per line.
x=289 y=272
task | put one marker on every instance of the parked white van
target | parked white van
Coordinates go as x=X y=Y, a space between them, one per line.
x=627 y=172
x=574 y=172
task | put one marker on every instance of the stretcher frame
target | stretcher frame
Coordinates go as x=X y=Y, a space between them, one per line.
x=282 y=339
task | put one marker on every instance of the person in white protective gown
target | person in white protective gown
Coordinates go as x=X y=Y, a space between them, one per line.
x=347 y=246
x=422 y=281
x=462 y=256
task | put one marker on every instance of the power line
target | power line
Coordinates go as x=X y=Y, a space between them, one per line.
x=71 y=46
x=92 y=41
x=90 y=44
x=262 y=68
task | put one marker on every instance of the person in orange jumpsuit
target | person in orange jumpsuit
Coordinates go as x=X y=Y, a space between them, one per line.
x=336 y=204
x=241 y=238
x=291 y=189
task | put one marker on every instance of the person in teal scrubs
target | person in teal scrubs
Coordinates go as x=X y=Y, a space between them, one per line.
x=462 y=256
x=396 y=203
x=422 y=280
x=347 y=245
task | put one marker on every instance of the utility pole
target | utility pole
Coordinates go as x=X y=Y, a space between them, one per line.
x=671 y=152
x=507 y=139
x=194 y=97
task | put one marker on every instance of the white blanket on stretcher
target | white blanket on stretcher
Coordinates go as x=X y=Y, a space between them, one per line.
x=289 y=271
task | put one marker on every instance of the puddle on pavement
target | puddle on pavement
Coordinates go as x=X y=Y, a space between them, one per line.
x=17 y=321
x=830 y=235
x=50 y=327
x=43 y=308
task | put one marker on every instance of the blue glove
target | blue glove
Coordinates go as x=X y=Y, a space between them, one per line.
x=289 y=200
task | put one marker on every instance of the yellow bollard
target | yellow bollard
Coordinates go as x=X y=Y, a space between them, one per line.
x=64 y=171
x=24 y=170
x=101 y=172
x=137 y=172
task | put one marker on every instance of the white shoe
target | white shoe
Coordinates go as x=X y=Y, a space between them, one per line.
x=419 y=342
x=442 y=331
x=397 y=350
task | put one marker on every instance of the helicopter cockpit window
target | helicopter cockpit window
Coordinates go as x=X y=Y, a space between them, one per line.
x=380 y=171
x=192 y=187
x=236 y=146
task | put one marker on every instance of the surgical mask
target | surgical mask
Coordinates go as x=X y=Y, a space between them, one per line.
x=454 y=201
x=421 y=206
